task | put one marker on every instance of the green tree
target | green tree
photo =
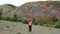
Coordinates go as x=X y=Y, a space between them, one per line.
x=54 y=19
x=42 y=21
x=15 y=18
x=18 y=33
x=58 y=25
x=1 y=13
x=8 y=19
x=34 y=21
x=25 y=21
x=19 y=19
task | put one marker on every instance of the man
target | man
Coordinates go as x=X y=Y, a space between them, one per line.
x=30 y=25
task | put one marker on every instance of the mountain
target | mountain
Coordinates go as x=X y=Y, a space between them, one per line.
x=35 y=9
x=39 y=9
x=6 y=8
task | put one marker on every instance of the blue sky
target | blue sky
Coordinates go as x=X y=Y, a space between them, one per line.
x=17 y=2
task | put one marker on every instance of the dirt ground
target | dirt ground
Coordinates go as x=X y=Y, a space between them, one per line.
x=7 y=27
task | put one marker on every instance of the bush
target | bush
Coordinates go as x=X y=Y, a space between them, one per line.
x=34 y=21
x=8 y=18
x=41 y=21
x=7 y=26
x=18 y=33
x=0 y=13
x=47 y=25
x=19 y=20
x=15 y=18
x=1 y=18
x=54 y=19
x=25 y=21
x=57 y=26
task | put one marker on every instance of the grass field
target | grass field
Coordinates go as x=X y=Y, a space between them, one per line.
x=7 y=27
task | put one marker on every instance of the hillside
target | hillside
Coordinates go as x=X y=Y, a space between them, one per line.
x=6 y=8
x=7 y=27
x=42 y=13
x=33 y=9
x=38 y=9
x=45 y=18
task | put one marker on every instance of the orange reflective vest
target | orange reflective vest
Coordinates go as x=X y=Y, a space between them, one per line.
x=30 y=23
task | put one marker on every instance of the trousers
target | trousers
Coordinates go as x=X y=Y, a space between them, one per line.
x=30 y=28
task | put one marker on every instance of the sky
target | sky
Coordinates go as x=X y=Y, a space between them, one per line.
x=16 y=2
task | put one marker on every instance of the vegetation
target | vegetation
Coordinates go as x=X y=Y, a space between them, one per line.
x=10 y=5
x=8 y=18
x=15 y=18
x=7 y=26
x=18 y=33
x=25 y=21
x=41 y=21
x=54 y=19
x=34 y=21
x=0 y=13
x=58 y=25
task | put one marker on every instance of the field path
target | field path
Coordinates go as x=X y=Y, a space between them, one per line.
x=17 y=27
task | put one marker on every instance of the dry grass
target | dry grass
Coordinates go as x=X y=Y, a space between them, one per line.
x=17 y=27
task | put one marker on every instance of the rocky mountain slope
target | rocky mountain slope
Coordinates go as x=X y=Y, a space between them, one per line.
x=36 y=9
x=7 y=8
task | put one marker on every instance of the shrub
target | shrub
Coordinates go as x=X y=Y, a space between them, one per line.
x=25 y=21
x=15 y=18
x=19 y=20
x=18 y=33
x=54 y=19
x=58 y=25
x=0 y=13
x=41 y=21
x=34 y=21
x=8 y=18
x=7 y=26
